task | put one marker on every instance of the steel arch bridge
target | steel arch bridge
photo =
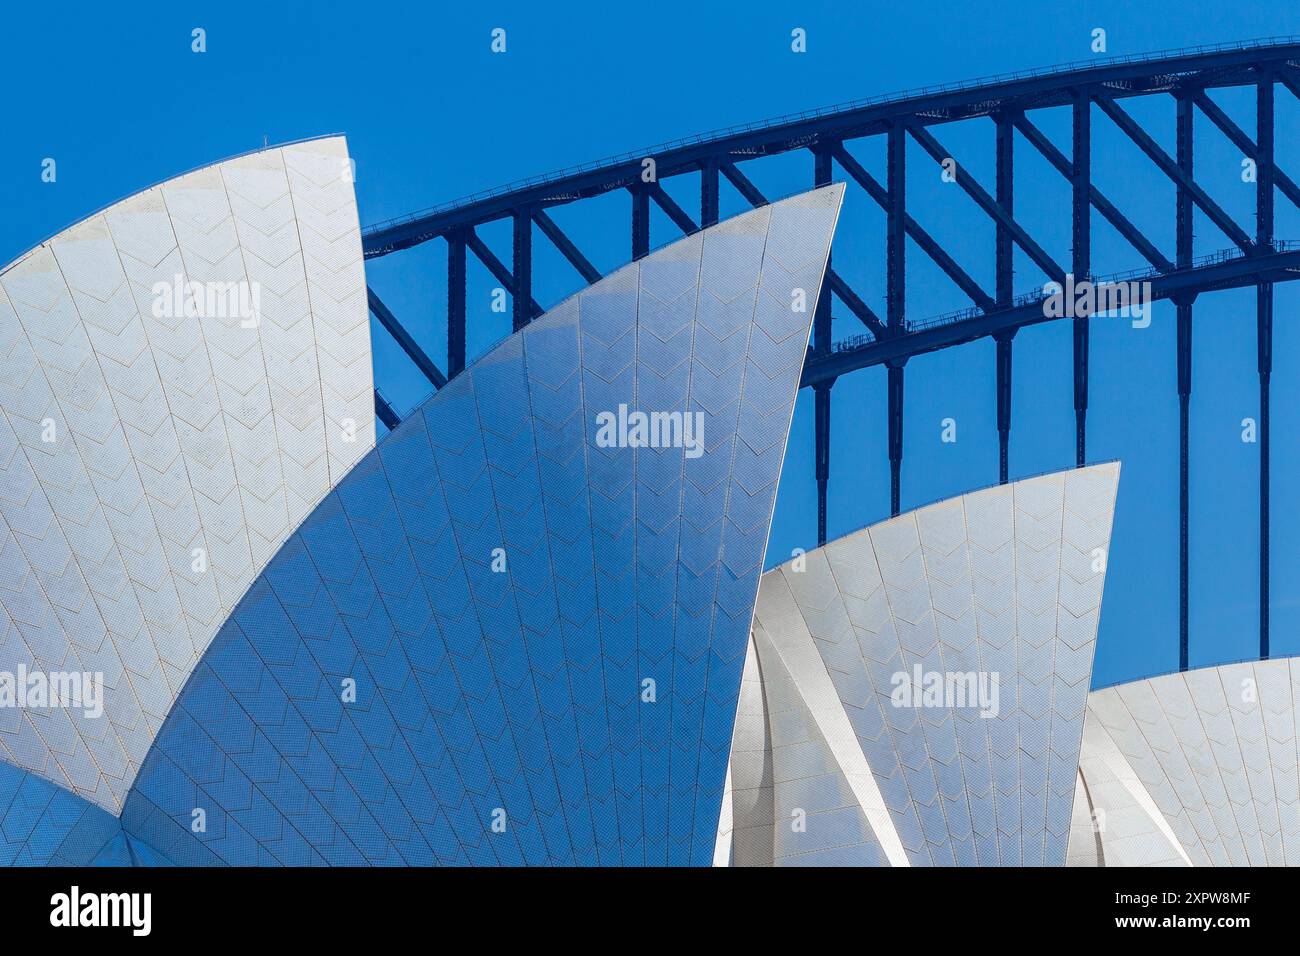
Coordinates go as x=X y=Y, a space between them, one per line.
x=1011 y=103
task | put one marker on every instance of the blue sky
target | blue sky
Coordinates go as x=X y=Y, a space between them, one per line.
x=117 y=98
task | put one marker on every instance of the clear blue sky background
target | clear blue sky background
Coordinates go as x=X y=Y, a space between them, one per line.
x=115 y=95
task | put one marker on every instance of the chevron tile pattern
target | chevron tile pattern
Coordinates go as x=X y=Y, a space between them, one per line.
x=1194 y=768
x=153 y=458
x=42 y=824
x=1006 y=581
x=498 y=640
x=1115 y=818
x=783 y=761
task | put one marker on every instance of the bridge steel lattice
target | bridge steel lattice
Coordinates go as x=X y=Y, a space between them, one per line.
x=1099 y=86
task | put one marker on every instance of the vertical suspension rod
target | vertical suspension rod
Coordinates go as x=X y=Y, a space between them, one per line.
x=1081 y=182
x=895 y=295
x=708 y=193
x=1005 y=276
x=822 y=342
x=1184 y=308
x=523 y=268
x=1264 y=330
x=640 y=220
x=455 y=303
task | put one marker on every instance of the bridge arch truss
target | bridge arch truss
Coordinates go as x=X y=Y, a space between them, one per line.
x=1097 y=90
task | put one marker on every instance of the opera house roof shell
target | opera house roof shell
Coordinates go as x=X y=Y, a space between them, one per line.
x=496 y=637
